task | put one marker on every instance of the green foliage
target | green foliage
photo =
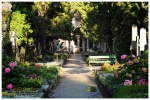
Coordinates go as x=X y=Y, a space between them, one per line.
x=52 y=70
x=15 y=76
x=112 y=84
x=30 y=55
x=49 y=58
x=23 y=7
x=134 y=68
x=50 y=76
x=61 y=55
x=8 y=94
x=134 y=91
x=48 y=73
x=117 y=89
x=7 y=45
x=5 y=59
x=32 y=82
x=109 y=22
x=36 y=69
x=19 y=26
x=64 y=55
x=144 y=58
x=127 y=14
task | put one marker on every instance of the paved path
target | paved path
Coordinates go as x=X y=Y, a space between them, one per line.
x=76 y=80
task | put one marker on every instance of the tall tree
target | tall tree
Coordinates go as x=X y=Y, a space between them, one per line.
x=22 y=29
x=126 y=14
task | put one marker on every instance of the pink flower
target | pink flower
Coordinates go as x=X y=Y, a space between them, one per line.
x=9 y=86
x=13 y=64
x=125 y=83
x=7 y=70
x=129 y=62
x=146 y=83
x=133 y=56
x=143 y=82
x=123 y=56
x=128 y=82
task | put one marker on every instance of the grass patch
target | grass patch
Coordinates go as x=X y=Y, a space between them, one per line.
x=91 y=89
x=134 y=91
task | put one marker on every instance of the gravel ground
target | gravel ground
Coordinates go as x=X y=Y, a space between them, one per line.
x=76 y=80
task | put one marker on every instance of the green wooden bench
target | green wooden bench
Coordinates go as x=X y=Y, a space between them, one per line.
x=102 y=59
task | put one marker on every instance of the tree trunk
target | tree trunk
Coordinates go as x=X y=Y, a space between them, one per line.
x=17 y=52
x=25 y=47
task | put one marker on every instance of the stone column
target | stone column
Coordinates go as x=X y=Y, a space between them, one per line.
x=78 y=39
x=93 y=44
x=67 y=45
x=83 y=44
x=87 y=44
x=72 y=47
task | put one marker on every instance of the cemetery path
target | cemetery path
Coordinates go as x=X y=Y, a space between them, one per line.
x=76 y=80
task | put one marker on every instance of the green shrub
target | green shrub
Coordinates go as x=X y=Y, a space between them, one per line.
x=49 y=76
x=8 y=94
x=34 y=70
x=112 y=84
x=60 y=55
x=52 y=70
x=15 y=76
x=134 y=67
x=6 y=59
x=32 y=82
x=49 y=58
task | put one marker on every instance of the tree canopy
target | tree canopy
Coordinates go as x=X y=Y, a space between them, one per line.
x=109 y=22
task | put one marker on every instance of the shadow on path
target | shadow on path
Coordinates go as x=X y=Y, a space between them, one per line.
x=76 y=80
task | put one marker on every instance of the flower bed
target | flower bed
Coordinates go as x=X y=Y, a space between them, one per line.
x=131 y=80
x=22 y=95
x=20 y=81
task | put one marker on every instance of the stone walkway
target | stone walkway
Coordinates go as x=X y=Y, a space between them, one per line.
x=76 y=80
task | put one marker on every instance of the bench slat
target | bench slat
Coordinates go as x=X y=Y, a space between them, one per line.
x=102 y=59
x=102 y=56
